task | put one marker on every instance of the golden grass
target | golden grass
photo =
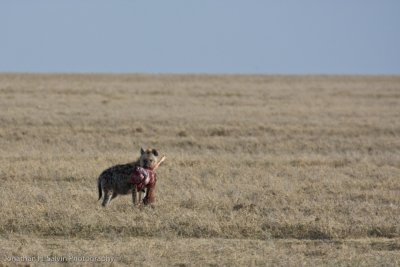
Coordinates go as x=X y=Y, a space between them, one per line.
x=261 y=170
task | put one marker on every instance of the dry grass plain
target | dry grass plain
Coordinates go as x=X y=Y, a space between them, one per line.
x=261 y=170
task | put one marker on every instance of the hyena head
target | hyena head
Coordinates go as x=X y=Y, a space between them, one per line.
x=148 y=158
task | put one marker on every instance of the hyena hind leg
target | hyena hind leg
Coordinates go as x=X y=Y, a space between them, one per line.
x=114 y=195
x=107 y=198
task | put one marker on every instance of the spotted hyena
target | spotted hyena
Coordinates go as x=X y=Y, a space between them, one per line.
x=116 y=180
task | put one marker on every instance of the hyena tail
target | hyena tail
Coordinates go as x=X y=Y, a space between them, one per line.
x=99 y=187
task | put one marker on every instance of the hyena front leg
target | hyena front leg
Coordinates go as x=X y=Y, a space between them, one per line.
x=134 y=196
x=137 y=196
x=150 y=197
x=107 y=197
x=140 y=197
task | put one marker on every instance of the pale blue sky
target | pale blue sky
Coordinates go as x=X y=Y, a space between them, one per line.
x=207 y=36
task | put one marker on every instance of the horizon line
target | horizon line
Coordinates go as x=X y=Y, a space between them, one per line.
x=194 y=73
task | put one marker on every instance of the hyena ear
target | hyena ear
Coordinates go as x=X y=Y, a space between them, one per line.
x=141 y=151
x=155 y=152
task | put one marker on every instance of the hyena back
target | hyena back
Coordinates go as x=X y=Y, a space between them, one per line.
x=116 y=180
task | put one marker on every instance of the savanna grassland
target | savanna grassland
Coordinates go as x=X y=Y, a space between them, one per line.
x=261 y=170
